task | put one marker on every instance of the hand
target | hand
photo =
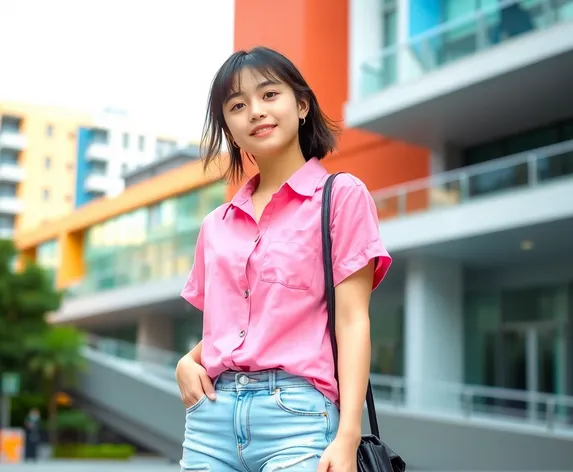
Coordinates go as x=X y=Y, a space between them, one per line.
x=339 y=456
x=193 y=381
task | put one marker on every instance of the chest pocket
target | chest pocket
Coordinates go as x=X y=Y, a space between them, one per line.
x=290 y=260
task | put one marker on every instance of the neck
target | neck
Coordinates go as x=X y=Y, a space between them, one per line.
x=276 y=170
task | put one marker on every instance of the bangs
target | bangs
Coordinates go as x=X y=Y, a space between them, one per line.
x=229 y=77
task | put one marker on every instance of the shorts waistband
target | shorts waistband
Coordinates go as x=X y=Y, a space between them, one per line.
x=268 y=380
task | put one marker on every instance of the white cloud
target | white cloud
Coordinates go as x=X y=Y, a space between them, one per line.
x=155 y=58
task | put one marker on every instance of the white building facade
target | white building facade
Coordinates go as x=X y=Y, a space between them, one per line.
x=114 y=145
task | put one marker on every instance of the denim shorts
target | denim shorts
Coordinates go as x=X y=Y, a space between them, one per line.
x=260 y=422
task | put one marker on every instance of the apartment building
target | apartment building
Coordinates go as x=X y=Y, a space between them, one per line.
x=485 y=87
x=53 y=160
x=458 y=119
x=37 y=164
x=112 y=146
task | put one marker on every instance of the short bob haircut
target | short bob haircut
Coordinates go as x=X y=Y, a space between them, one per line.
x=317 y=137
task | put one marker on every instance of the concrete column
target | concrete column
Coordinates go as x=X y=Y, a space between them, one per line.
x=365 y=41
x=434 y=332
x=438 y=160
x=154 y=331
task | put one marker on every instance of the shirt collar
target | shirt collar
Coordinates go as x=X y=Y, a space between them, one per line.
x=304 y=182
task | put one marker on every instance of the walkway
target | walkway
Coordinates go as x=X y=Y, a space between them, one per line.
x=93 y=466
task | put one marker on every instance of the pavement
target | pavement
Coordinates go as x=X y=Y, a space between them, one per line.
x=92 y=466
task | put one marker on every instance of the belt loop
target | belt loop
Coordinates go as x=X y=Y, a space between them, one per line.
x=272 y=381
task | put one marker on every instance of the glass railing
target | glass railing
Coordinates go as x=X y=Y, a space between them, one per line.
x=157 y=361
x=550 y=412
x=460 y=38
x=542 y=410
x=525 y=170
x=147 y=244
x=155 y=260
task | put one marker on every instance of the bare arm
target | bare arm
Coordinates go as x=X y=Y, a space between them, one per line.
x=353 y=337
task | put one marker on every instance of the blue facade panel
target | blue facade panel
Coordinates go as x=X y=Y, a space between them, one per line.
x=85 y=136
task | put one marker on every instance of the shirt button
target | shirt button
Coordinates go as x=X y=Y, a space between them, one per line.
x=246 y=294
x=242 y=333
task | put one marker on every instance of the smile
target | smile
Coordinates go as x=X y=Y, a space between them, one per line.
x=263 y=131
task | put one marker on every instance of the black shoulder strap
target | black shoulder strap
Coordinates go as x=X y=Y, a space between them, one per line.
x=330 y=304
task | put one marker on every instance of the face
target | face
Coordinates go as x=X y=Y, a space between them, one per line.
x=264 y=116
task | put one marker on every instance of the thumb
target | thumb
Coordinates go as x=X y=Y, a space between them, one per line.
x=208 y=386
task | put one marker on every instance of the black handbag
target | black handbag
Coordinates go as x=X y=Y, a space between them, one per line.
x=373 y=455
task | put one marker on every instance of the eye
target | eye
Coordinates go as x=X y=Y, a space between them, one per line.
x=270 y=94
x=237 y=106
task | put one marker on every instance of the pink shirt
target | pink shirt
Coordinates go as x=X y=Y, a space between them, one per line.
x=261 y=286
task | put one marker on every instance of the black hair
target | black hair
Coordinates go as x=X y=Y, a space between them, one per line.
x=317 y=137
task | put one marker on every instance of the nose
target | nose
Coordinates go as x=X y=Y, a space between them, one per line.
x=257 y=111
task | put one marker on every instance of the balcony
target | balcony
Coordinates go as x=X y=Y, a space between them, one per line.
x=530 y=190
x=10 y=205
x=468 y=81
x=12 y=140
x=97 y=183
x=99 y=152
x=11 y=173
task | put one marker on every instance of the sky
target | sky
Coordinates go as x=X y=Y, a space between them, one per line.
x=153 y=58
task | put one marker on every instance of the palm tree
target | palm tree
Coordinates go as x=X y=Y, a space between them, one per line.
x=57 y=356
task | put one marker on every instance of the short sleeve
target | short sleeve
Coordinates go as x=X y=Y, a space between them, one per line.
x=194 y=289
x=355 y=231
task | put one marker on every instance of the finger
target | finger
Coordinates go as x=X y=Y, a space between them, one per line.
x=190 y=400
x=323 y=465
x=208 y=386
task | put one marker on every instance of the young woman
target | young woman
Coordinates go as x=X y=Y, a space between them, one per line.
x=259 y=388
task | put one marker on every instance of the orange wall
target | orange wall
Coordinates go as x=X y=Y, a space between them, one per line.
x=314 y=35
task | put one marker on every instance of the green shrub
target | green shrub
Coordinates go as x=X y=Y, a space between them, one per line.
x=94 y=451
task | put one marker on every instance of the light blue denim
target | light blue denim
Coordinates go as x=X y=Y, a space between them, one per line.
x=260 y=422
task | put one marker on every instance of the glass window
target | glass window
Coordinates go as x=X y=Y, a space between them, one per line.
x=148 y=243
x=6 y=222
x=49 y=131
x=10 y=124
x=455 y=9
x=526 y=141
x=7 y=189
x=187 y=332
x=141 y=143
x=481 y=326
x=8 y=157
x=98 y=168
x=125 y=141
x=100 y=136
x=48 y=257
x=47 y=163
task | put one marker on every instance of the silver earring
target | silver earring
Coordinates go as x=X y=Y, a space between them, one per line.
x=303 y=121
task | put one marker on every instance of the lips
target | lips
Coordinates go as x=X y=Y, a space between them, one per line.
x=262 y=130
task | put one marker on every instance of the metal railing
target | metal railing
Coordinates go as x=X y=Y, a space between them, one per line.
x=455 y=187
x=472 y=402
x=463 y=37
x=157 y=361
x=475 y=402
